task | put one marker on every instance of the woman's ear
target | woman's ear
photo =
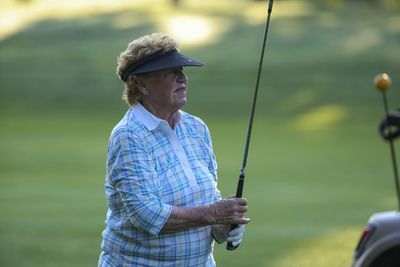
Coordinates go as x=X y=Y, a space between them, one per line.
x=143 y=89
x=141 y=85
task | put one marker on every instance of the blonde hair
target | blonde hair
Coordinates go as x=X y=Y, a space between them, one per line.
x=136 y=50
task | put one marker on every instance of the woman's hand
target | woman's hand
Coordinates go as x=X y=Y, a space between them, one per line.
x=229 y=211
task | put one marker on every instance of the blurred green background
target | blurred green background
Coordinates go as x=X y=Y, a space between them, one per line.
x=317 y=168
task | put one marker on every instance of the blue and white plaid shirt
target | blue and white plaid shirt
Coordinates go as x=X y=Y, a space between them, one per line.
x=150 y=169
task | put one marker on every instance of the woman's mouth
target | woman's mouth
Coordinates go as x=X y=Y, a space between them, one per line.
x=181 y=90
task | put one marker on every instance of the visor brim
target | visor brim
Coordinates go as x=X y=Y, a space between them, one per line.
x=169 y=61
x=160 y=61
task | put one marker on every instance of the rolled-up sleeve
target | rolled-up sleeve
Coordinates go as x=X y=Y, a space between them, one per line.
x=132 y=175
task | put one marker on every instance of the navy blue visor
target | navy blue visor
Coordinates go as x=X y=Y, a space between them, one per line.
x=160 y=61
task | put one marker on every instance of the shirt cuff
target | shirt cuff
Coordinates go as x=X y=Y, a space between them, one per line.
x=154 y=219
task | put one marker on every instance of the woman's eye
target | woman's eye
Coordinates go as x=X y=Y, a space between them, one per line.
x=174 y=73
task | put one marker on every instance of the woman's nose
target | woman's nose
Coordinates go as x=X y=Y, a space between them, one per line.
x=182 y=78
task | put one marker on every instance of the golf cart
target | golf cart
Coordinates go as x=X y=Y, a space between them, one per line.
x=379 y=245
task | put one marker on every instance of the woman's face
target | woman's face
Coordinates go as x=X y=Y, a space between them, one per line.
x=165 y=89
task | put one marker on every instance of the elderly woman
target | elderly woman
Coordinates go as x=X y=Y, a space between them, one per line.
x=164 y=208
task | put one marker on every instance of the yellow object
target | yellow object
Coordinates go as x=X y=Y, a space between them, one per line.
x=382 y=82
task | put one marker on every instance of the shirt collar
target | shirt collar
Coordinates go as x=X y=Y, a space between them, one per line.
x=150 y=121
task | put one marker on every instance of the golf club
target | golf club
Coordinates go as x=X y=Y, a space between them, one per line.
x=239 y=189
x=382 y=83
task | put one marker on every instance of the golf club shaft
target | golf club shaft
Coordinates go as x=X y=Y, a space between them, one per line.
x=392 y=153
x=239 y=189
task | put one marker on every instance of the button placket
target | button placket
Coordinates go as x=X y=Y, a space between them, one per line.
x=180 y=152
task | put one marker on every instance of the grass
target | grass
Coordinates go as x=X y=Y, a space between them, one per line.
x=301 y=193
x=316 y=171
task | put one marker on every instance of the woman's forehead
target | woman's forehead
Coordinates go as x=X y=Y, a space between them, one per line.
x=164 y=72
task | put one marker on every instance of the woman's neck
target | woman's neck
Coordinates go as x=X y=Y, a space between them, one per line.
x=168 y=115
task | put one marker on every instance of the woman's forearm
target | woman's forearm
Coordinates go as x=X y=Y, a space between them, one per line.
x=225 y=211
x=183 y=218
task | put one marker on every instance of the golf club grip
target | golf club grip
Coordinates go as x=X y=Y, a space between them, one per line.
x=239 y=191
x=239 y=188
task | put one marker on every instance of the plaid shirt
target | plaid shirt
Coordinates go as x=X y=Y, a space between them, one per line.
x=150 y=169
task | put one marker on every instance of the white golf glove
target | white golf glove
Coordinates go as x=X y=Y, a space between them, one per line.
x=221 y=234
x=236 y=235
